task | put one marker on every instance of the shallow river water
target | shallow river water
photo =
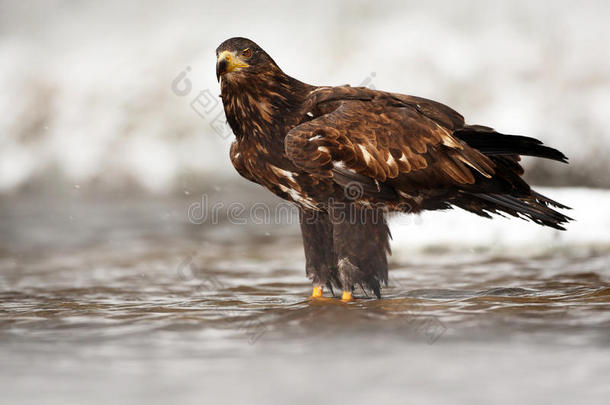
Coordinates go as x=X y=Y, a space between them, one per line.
x=125 y=301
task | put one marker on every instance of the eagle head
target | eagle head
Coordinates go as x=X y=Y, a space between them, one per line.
x=240 y=57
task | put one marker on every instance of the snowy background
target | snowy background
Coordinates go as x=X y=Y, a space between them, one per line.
x=87 y=98
x=111 y=130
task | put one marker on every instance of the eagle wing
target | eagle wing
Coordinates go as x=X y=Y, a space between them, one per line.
x=238 y=163
x=383 y=141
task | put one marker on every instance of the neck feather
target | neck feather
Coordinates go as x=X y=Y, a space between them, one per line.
x=263 y=105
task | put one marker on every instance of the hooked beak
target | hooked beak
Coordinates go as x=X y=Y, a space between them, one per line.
x=227 y=62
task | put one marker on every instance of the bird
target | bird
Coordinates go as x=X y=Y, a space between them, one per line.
x=348 y=157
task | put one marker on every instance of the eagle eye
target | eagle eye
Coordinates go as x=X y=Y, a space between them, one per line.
x=246 y=53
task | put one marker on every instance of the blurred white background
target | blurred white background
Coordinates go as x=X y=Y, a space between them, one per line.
x=86 y=87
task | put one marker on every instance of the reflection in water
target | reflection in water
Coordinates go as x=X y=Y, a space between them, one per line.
x=132 y=294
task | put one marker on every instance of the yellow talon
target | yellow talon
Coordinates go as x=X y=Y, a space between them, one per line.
x=317 y=292
x=347 y=296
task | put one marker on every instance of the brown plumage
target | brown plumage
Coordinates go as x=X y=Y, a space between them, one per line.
x=347 y=156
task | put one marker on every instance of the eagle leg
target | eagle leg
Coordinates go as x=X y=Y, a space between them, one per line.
x=361 y=243
x=320 y=262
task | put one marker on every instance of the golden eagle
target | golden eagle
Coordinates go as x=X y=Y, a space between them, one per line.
x=348 y=156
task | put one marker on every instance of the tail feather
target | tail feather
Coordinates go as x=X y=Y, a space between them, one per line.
x=492 y=143
x=534 y=207
x=506 y=192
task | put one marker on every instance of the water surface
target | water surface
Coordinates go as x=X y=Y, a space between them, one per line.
x=124 y=300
